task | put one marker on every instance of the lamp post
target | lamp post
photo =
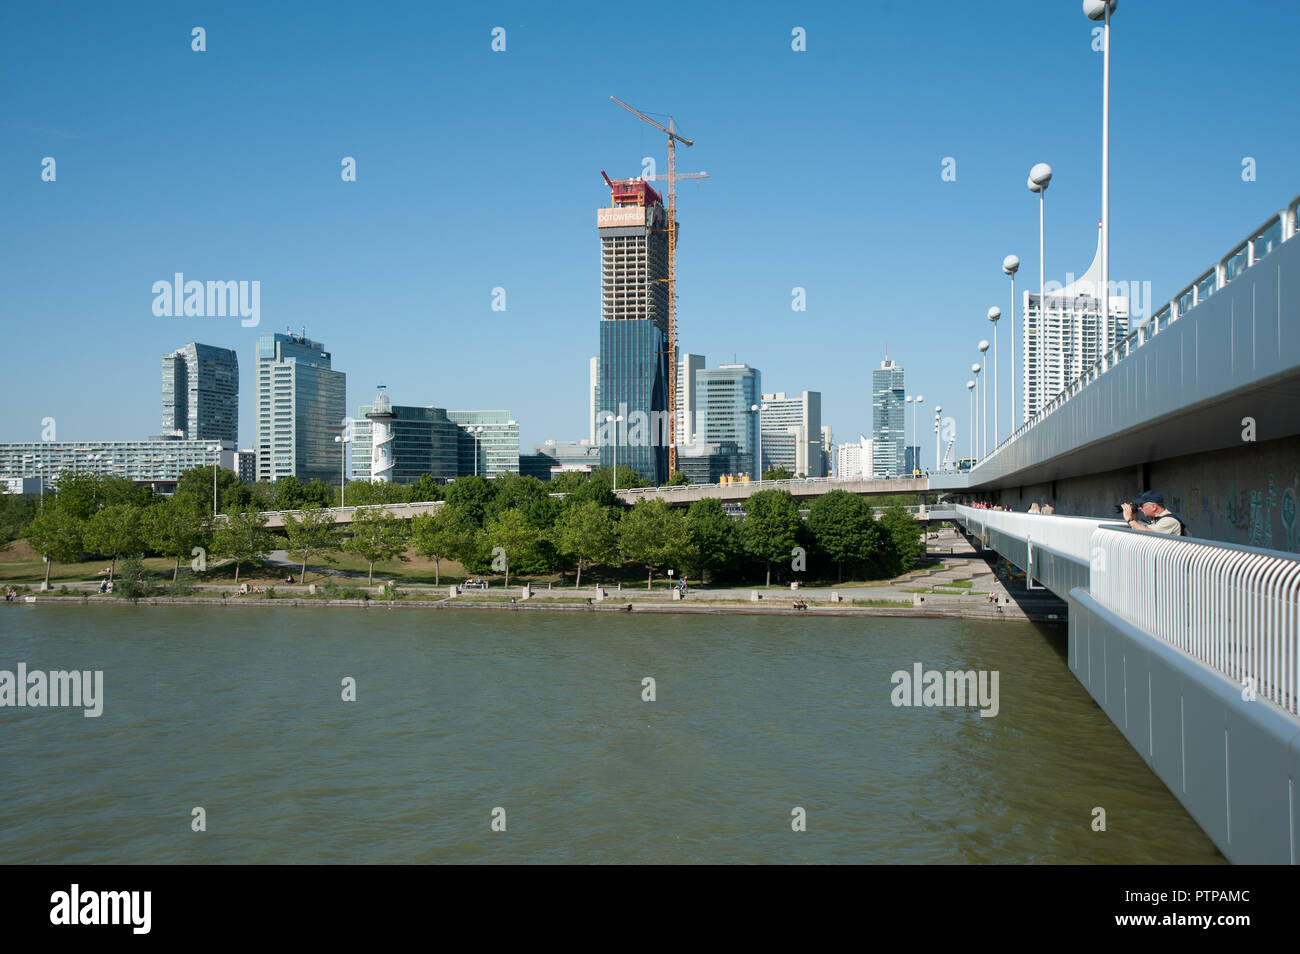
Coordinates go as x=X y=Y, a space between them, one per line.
x=1040 y=176
x=476 y=430
x=1011 y=265
x=1102 y=10
x=342 y=441
x=616 y=421
x=937 y=462
x=984 y=401
x=758 y=452
x=970 y=389
x=216 y=465
x=994 y=314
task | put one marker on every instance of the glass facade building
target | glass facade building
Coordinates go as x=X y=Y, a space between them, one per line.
x=792 y=433
x=200 y=393
x=490 y=452
x=723 y=398
x=887 y=420
x=425 y=441
x=633 y=366
x=301 y=402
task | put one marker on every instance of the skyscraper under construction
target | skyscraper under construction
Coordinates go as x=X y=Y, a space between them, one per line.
x=633 y=368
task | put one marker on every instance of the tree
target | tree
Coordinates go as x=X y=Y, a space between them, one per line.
x=516 y=536
x=627 y=477
x=678 y=479
x=376 y=535
x=314 y=532
x=232 y=493
x=56 y=535
x=114 y=531
x=174 y=527
x=425 y=489
x=714 y=538
x=439 y=536
x=471 y=496
x=586 y=533
x=242 y=537
x=76 y=494
x=777 y=473
x=771 y=527
x=902 y=539
x=654 y=535
x=844 y=527
x=16 y=512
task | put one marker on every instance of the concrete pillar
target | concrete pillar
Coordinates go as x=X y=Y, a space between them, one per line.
x=453 y=590
x=755 y=596
x=526 y=592
x=677 y=594
x=600 y=593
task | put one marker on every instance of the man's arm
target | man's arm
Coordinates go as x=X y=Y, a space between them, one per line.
x=1133 y=521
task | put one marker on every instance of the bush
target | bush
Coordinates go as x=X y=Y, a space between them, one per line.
x=130 y=582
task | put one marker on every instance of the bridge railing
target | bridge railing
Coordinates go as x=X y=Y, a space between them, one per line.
x=1236 y=609
x=1278 y=228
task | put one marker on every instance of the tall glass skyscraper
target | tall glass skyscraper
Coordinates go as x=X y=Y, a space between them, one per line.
x=633 y=365
x=723 y=398
x=301 y=402
x=888 y=420
x=200 y=393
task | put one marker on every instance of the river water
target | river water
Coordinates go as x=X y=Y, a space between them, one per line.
x=461 y=712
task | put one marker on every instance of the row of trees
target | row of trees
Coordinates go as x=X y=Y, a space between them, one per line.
x=509 y=525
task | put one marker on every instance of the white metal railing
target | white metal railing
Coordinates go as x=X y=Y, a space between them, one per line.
x=1069 y=536
x=1236 y=609
x=1278 y=228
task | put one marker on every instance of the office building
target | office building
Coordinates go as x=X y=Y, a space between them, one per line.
x=156 y=463
x=248 y=465
x=301 y=401
x=724 y=396
x=556 y=457
x=488 y=443
x=912 y=461
x=827 y=449
x=792 y=433
x=200 y=394
x=688 y=369
x=1069 y=338
x=422 y=440
x=887 y=420
x=633 y=366
x=709 y=463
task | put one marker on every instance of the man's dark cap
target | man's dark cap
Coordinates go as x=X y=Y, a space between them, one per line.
x=1151 y=497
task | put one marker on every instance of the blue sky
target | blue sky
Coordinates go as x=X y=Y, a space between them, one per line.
x=478 y=169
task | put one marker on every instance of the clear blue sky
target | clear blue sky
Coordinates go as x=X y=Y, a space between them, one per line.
x=479 y=169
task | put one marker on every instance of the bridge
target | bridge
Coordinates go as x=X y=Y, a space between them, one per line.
x=800 y=488
x=1188 y=644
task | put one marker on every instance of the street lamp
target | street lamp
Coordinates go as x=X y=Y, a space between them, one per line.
x=970 y=389
x=916 y=404
x=1011 y=265
x=937 y=462
x=758 y=459
x=1103 y=10
x=979 y=423
x=1040 y=176
x=994 y=314
x=984 y=405
x=476 y=430
x=216 y=465
x=342 y=441
x=616 y=421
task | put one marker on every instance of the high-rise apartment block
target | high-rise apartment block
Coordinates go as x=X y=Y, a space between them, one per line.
x=200 y=393
x=1068 y=337
x=301 y=402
